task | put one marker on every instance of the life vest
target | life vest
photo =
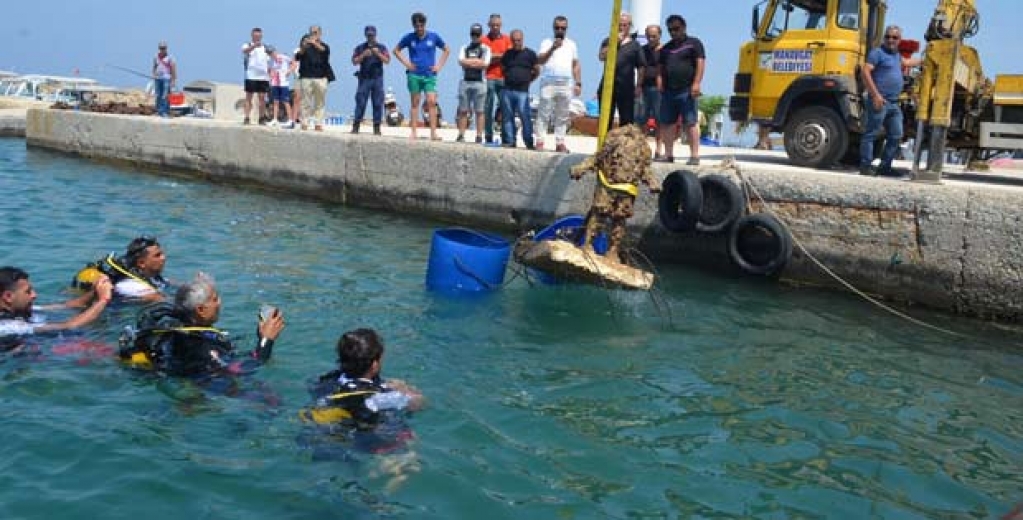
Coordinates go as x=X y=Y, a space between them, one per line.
x=340 y=399
x=159 y=329
x=115 y=269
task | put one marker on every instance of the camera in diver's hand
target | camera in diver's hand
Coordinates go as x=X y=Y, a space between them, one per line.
x=266 y=312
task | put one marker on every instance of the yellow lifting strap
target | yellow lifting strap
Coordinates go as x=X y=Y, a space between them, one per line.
x=623 y=187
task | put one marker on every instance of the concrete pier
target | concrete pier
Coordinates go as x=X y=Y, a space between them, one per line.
x=12 y=122
x=955 y=246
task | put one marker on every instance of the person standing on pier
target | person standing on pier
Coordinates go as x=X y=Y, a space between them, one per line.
x=165 y=74
x=472 y=90
x=257 y=74
x=370 y=56
x=422 y=67
x=498 y=43
x=560 y=80
x=314 y=73
x=520 y=66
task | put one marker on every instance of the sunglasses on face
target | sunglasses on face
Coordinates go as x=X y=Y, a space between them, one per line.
x=677 y=28
x=891 y=37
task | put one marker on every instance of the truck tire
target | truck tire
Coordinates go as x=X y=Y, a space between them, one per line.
x=759 y=245
x=723 y=204
x=815 y=137
x=680 y=202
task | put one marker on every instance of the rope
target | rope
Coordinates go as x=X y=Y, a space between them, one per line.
x=747 y=183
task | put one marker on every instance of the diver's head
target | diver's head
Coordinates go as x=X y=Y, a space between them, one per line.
x=145 y=256
x=16 y=293
x=199 y=298
x=359 y=353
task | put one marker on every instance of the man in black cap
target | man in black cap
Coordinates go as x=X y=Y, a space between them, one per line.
x=472 y=89
x=370 y=56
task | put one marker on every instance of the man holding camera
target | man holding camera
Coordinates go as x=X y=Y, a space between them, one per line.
x=314 y=73
x=472 y=90
x=257 y=74
x=560 y=80
x=370 y=56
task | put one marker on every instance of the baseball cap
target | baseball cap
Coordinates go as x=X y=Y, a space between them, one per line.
x=476 y=29
x=370 y=30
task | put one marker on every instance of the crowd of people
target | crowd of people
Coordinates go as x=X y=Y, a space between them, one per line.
x=496 y=73
x=175 y=335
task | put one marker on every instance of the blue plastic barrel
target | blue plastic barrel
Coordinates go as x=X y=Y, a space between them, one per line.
x=463 y=260
x=567 y=228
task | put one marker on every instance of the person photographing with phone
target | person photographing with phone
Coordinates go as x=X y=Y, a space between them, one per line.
x=257 y=74
x=560 y=80
x=314 y=74
x=179 y=339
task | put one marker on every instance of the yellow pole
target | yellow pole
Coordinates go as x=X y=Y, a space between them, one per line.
x=609 y=74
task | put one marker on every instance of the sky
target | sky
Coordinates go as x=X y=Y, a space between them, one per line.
x=61 y=36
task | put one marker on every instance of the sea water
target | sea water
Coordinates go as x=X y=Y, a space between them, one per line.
x=722 y=397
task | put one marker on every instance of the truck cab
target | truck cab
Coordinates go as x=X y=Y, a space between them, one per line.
x=800 y=74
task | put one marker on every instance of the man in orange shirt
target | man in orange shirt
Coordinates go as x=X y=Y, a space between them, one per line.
x=498 y=43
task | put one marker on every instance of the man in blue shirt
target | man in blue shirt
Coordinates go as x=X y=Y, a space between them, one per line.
x=882 y=75
x=422 y=67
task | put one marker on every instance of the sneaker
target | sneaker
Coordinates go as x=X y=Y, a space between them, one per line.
x=288 y=125
x=868 y=171
x=246 y=121
x=508 y=145
x=561 y=148
x=693 y=161
x=460 y=138
x=479 y=140
x=272 y=124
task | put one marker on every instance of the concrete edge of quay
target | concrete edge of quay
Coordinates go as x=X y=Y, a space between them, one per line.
x=952 y=247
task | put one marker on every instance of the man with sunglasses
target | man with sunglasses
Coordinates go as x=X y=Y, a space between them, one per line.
x=472 y=89
x=17 y=301
x=560 y=80
x=681 y=62
x=882 y=76
x=628 y=73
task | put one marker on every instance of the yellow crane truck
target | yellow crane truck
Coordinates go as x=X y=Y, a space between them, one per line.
x=800 y=76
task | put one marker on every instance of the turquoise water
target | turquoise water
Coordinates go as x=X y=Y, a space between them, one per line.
x=753 y=400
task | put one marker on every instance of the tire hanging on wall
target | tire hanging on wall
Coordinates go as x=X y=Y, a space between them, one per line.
x=680 y=202
x=759 y=244
x=723 y=204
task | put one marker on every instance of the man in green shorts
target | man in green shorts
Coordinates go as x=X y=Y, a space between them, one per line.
x=422 y=67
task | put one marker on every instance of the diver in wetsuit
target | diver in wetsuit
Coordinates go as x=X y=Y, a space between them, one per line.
x=355 y=399
x=179 y=339
x=137 y=275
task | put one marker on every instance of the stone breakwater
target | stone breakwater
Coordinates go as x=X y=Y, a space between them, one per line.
x=955 y=247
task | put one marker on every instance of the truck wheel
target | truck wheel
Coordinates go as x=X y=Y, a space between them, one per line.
x=815 y=137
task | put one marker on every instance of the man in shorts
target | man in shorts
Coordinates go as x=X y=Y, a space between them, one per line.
x=472 y=89
x=422 y=67
x=257 y=74
x=681 y=63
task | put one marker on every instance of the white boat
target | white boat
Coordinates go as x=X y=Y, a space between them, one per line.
x=71 y=90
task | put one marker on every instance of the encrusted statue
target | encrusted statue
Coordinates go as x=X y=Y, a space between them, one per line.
x=620 y=165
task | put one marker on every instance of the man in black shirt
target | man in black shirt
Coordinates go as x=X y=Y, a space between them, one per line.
x=681 y=66
x=651 y=96
x=628 y=73
x=521 y=67
x=370 y=56
x=314 y=73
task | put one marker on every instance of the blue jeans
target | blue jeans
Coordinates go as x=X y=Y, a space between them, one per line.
x=516 y=102
x=494 y=89
x=889 y=118
x=370 y=88
x=651 y=106
x=162 y=88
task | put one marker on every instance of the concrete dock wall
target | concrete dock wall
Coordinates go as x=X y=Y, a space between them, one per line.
x=955 y=247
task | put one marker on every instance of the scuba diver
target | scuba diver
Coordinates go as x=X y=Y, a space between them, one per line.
x=355 y=401
x=138 y=275
x=17 y=297
x=178 y=339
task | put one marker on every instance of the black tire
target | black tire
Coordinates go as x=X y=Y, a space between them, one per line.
x=723 y=204
x=759 y=244
x=816 y=137
x=680 y=202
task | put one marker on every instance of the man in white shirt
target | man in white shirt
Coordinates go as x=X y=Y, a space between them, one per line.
x=17 y=299
x=560 y=80
x=257 y=74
